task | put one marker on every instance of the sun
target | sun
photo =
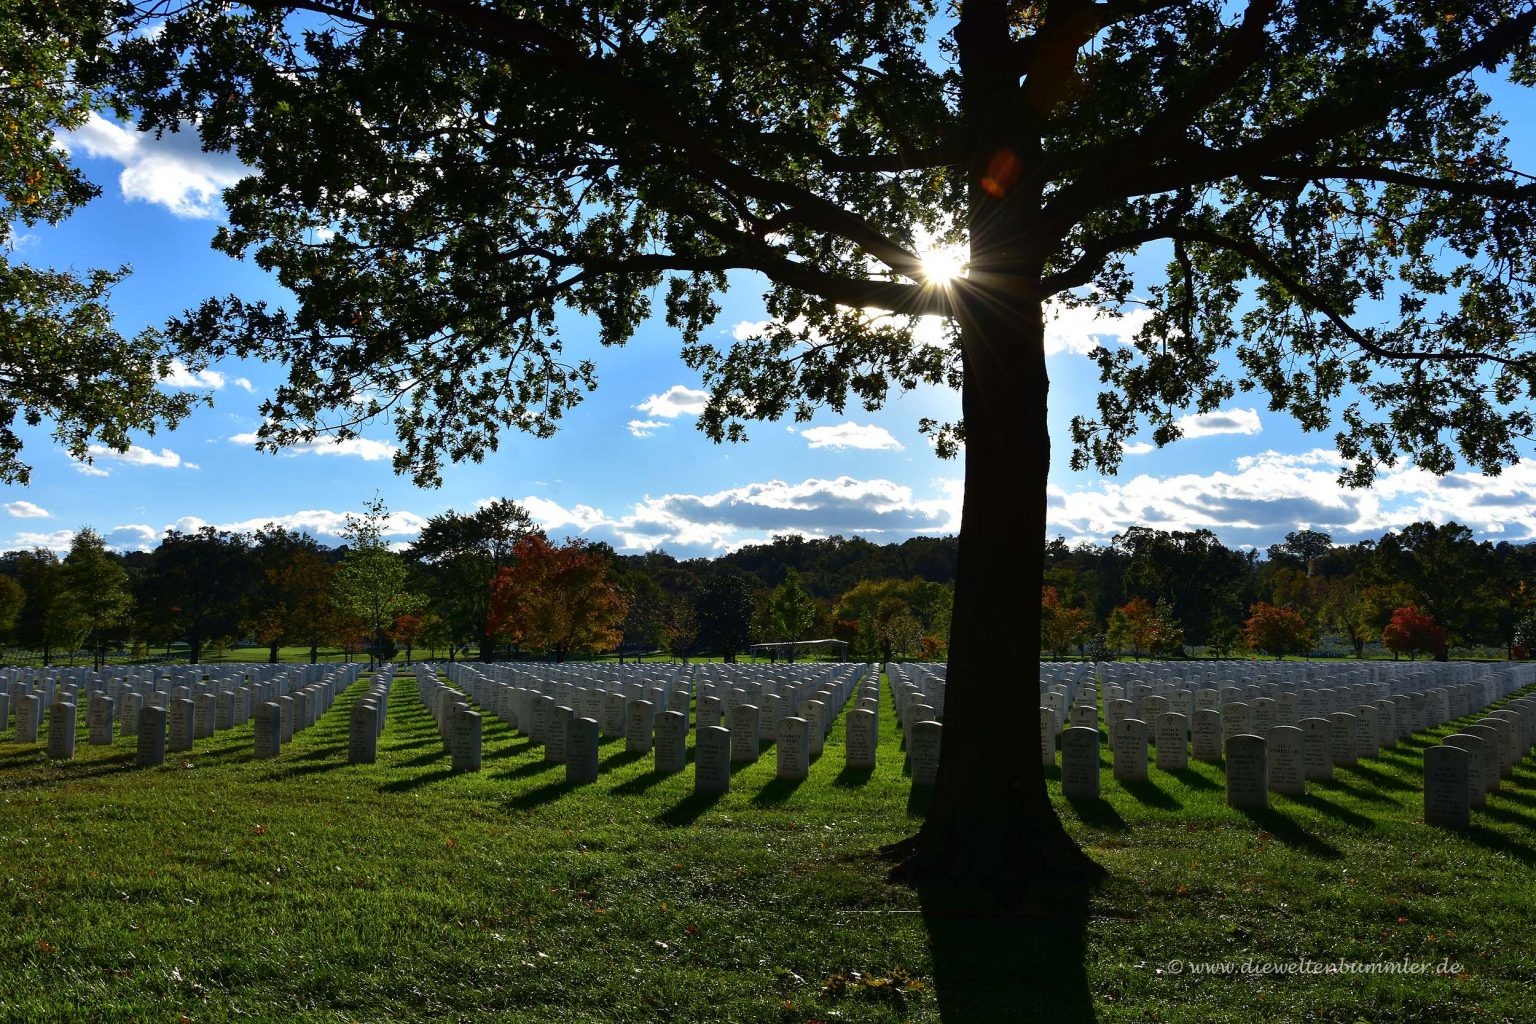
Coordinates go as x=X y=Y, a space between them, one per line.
x=941 y=266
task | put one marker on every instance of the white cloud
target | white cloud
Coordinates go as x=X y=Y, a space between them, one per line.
x=27 y=510
x=132 y=537
x=703 y=524
x=57 y=541
x=134 y=456
x=645 y=428
x=172 y=171
x=1271 y=493
x=1080 y=329
x=363 y=448
x=181 y=377
x=244 y=384
x=849 y=434
x=676 y=401
x=89 y=470
x=1221 y=421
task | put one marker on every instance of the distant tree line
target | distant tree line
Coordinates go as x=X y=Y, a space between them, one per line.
x=490 y=584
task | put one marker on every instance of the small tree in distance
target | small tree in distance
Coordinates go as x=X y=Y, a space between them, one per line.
x=1277 y=631
x=1411 y=631
x=1061 y=626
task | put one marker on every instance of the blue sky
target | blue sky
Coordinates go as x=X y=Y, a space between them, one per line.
x=628 y=467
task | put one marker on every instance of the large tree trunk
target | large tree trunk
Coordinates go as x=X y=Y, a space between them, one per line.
x=990 y=829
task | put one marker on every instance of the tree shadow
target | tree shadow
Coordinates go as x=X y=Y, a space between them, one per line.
x=1319 y=803
x=416 y=781
x=1005 y=969
x=542 y=795
x=1099 y=813
x=852 y=778
x=777 y=791
x=1193 y=779
x=688 y=810
x=1150 y=794
x=918 y=799
x=1288 y=831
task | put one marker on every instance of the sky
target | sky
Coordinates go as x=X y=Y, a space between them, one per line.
x=628 y=466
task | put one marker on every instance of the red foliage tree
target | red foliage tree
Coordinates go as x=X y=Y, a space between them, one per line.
x=559 y=599
x=1413 y=630
x=1277 y=631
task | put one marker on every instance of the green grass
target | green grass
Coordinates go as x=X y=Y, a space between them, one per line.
x=220 y=889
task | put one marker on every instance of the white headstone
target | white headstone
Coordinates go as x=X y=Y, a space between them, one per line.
x=1080 y=763
x=1172 y=744
x=926 y=740
x=794 y=749
x=1247 y=773
x=581 y=753
x=712 y=760
x=1447 y=793
x=1128 y=744
x=1286 y=751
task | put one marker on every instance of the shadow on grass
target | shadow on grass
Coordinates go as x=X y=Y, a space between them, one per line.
x=852 y=778
x=315 y=768
x=641 y=783
x=416 y=781
x=421 y=760
x=547 y=793
x=1286 y=829
x=1149 y=794
x=538 y=767
x=1375 y=776
x=776 y=792
x=1356 y=790
x=918 y=800
x=1099 y=813
x=510 y=750
x=1492 y=839
x=688 y=810
x=620 y=758
x=1193 y=779
x=1007 y=969
x=1323 y=805
x=1515 y=796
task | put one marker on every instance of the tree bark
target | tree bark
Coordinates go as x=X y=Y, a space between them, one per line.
x=991 y=831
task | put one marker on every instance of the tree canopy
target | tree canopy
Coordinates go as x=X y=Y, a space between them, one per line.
x=1322 y=192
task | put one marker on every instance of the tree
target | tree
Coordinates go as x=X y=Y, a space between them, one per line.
x=56 y=330
x=871 y=605
x=406 y=631
x=1277 y=631
x=1144 y=628
x=724 y=613
x=1413 y=630
x=1061 y=626
x=290 y=601
x=13 y=597
x=463 y=554
x=478 y=168
x=96 y=590
x=199 y=586
x=558 y=599
x=45 y=624
x=370 y=584
x=790 y=613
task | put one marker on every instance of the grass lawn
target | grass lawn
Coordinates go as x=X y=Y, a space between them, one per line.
x=218 y=888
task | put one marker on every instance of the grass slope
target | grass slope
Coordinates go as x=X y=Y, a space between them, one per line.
x=219 y=888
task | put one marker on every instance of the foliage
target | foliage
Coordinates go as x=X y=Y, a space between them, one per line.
x=724 y=615
x=872 y=605
x=56 y=330
x=790 y=612
x=98 y=599
x=1413 y=630
x=370 y=585
x=1276 y=631
x=559 y=599
x=460 y=555
x=198 y=586
x=1061 y=626
x=1144 y=628
x=291 y=599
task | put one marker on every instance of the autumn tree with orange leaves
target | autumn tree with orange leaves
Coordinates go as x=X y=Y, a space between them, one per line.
x=559 y=599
